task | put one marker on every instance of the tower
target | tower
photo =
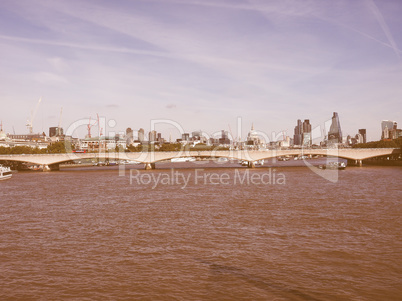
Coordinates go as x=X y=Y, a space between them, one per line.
x=335 y=132
x=363 y=133
x=141 y=135
x=297 y=138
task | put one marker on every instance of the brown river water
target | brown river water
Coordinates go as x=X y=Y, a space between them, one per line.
x=230 y=233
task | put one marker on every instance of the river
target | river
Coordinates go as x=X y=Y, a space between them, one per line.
x=230 y=233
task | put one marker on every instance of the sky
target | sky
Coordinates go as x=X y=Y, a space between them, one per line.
x=200 y=64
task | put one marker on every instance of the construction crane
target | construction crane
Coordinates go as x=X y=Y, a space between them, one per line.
x=284 y=134
x=99 y=128
x=231 y=134
x=89 y=126
x=33 y=113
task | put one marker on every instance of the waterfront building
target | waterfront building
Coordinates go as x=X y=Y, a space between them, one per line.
x=40 y=141
x=335 y=132
x=101 y=144
x=29 y=137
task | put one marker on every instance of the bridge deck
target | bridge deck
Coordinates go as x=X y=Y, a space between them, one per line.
x=152 y=157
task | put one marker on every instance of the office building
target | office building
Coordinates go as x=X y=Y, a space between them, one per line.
x=388 y=130
x=362 y=132
x=55 y=131
x=302 y=133
x=141 y=135
x=335 y=132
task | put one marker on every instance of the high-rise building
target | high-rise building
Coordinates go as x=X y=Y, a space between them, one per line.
x=55 y=131
x=129 y=136
x=388 y=129
x=297 y=138
x=364 y=136
x=388 y=123
x=335 y=132
x=302 y=135
x=185 y=137
x=159 y=138
x=129 y=132
x=152 y=136
x=307 y=141
x=141 y=135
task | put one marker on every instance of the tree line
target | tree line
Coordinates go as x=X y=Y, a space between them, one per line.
x=60 y=148
x=396 y=143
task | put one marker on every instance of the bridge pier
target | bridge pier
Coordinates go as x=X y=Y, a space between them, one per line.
x=250 y=164
x=54 y=167
x=355 y=162
x=51 y=167
x=149 y=166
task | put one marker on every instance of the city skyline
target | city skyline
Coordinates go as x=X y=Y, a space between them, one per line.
x=201 y=64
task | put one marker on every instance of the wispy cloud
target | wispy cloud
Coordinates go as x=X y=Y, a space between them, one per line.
x=84 y=47
x=112 y=106
x=371 y=4
x=49 y=78
x=171 y=106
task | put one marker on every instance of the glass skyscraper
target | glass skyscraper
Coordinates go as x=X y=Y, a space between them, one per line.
x=335 y=132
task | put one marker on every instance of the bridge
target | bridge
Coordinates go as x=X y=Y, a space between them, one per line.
x=52 y=161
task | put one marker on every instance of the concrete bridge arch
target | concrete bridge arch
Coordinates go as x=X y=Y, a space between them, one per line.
x=244 y=155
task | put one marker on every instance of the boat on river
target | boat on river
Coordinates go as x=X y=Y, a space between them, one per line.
x=183 y=159
x=333 y=165
x=5 y=173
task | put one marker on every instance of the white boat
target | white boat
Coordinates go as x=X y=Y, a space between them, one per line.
x=243 y=163
x=129 y=162
x=5 y=173
x=184 y=159
x=247 y=163
x=259 y=162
